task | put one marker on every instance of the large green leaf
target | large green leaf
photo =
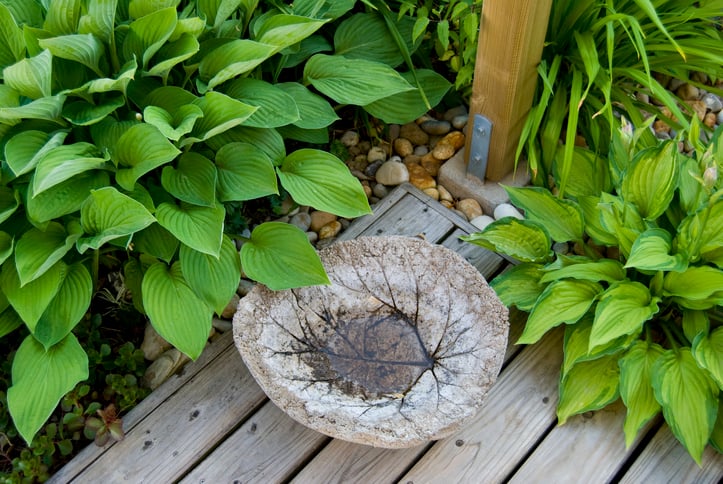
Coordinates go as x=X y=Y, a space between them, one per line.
x=67 y=307
x=200 y=228
x=314 y=111
x=244 y=173
x=41 y=378
x=366 y=36
x=140 y=8
x=175 y=125
x=23 y=150
x=142 y=148
x=279 y=255
x=38 y=250
x=232 y=59
x=100 y=19
x=593 y=221
x=689 y=397
x=590 y=176
x=275 y=107
x=524 y=240
x=156 y=241
x=564 y=301
x=407 y=106
x=12 y=44
x=267 y=140
x=331 y=9
x=651 y=181
x=9 y=319
x=193 y=180
x=104 y=84
x=353 y=81
x=636 y=388
x=708 y=352
x=63 y=162
x=622 y=309
x=108 y=214
x=62 y=16
x=695 y=283
x=651 y=251
x=214 y=280
x=85 y=49
x=589 y=385
x=172 y=54
x=607 y=270
x=31 y=299
x=66 y=197
x=323 y=181
x=577 y=344
x=83 y=113
x=147 y=34
x=46 y=108
x=520 y=285
x=621 y=219
x=562 y=218
x=9 y=202
x=220 y=113
x=284 y=30
x=7 y=244
x=695 y=322
x=31 y=77
x=179 y=316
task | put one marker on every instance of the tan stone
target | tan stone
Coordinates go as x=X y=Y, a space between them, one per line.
x=470 y=208
x=319 y=219
x=710 y=120
x=431 y=164
x=447 y=203
x=699 y=108
x=153 y=344
x=403 y=147
x=162 y=368
x=413 y=159
x=432 y=192
x=687 y=92
x=448 y=145
x=330 y=230
x=230 y=308
x=420 y=178
x=444 y=194
x=414 y=133
x=661 y=126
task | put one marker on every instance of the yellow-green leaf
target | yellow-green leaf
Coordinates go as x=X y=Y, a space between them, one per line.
x=636 y=388
x=589 y=385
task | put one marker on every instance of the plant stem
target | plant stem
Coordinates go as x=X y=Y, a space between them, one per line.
x=96 y=269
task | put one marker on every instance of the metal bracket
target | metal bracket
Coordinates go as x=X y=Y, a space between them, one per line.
x=479 y=146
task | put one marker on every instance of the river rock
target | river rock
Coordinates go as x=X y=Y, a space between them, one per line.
x=482 y=221
x=506 y=210
x=414 y=133
x=376 y=153
x=444 y=194
x=431 y=164
x=371 y=169
x=163 y=367
x=687 y=92
x=403 y=147
x=420 y=178
x=302 y=220
x=153 y=344
x=230 y=308
x=320 y=218
x=448 y=146
x=432 y=193
x=712 y=102
x=392 y=173
x=470 y=208
x=349 y=139
x=330 y=230
x=436 y=127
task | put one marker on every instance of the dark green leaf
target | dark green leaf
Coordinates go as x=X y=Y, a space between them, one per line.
x=244 y=173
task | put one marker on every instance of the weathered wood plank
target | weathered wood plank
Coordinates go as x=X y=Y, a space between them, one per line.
x=165 y=444
x=268 y=447
x=517 y=412
x=664 y=459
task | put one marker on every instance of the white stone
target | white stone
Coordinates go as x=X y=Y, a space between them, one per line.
x=507 y=210
x=392 y=173
x=376 y=153
x=482 y=221
x=153 y=344
x=350 y=138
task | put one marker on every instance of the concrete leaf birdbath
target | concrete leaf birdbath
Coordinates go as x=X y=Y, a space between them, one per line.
x=400 y=349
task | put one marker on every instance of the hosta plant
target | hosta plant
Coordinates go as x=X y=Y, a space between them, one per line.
x=640 y=295
x=126 y=126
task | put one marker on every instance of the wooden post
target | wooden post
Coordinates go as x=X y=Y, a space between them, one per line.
x=512 y=33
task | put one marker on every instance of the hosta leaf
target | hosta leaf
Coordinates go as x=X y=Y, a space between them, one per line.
x=63 y=162
x=6 y=246
x=636 y=388
x=561 y=302
x=607 y=270
x=82 y=113
x=621 y=310
x=651 y=251
x=67 y=307
x=173 y=53
x=284 y=30
x=520 y=285
x=589 y=385
x=12 y=44
x=651 y=181
x=708 y=352
x=31 y=77
x=318 y=136
x=100 y=19
x=321 y=180
x=408 y=106
x=193 y=180
x=140 y=8
x=104 y=84
x=156 y=241
x=275 y=107
x=353 y=81
x=9 y=319
x=577 y=344
x=323 y=9
x=46 y=108
x=366 y=36
x=38 y=250
x=695 y=322
x=9 y=202
x=216 y=11
x=590 y=176
x=689 y=397
x=108 y=214
x=524 y=240
x=65 y=197
x=695 y=283
x=31 y=299
x=147 y=34
x=279 y=255
x=298 y=54
x=562 y=218
x=716 y=438
x=62 y=16
x=220 y=113
x=141 y=148
x=200 y=228
x=314 y=111
x=175 y=125
x=267 y=140
x=41 y=378
x=621 y=219
x=214 y=280
x=85 y=49
x=23 y=150
x=244 y=173
x=232 y=59
x=175 y=311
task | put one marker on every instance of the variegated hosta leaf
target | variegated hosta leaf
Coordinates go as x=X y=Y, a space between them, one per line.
x=651 y=181
x=589 y=385
x=652 y=252
x=520 y=285
x=562 y=218
x=708 y=352
x=523 y=240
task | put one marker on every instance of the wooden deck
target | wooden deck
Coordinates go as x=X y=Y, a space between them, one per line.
x=213 y=424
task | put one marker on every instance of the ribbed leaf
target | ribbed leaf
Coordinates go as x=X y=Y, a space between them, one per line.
x=31 y=300
x=589 y=385
x=214 y=280
x=108 y=214
x=622 y=310
x=408 y=106
x=193 y=180
x=695 y=322
x=520 y=285
x=636 y=388
x=244 y=173
x=38 y=250
x=561 y=218
x=67 y=307
x=267 y=140
x=689 y=397
x=63 y=162
x=651 y=181
x=321 y=180
x=85 y=49
x=651 y=251
x=708 y=352
x=62 y=16
x=40 y=379
x=173 y=53
x=104 y=84
x=31 y=77
x=220 y=113
x=607 y=270
x=275 y=107
x=156 y=241
x=147 y=34
x=200 y=228
x=23 y=150
x=6 y=246
x=100 y=19
x=216 y=11
x=366 y=36
x=590 y=176
x=232 y=59
x=46 y=108
x=142 y=148
x=314 y=111
x=12 y=44
x=353 y=81
x=82 y=113
x=279 y=255
x=65 y=197
x=577 y=344
x=175 y=311
x=524 y=240
x=284 y=30
x=175 y=125
x=9 y=319
x=695 y=283
x=561 y=302
x=140 y=8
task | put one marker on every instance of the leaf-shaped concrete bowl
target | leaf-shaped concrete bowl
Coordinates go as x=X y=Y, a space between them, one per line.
x=400 y=349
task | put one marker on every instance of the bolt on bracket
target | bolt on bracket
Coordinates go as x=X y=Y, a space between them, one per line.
x=479 y=146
